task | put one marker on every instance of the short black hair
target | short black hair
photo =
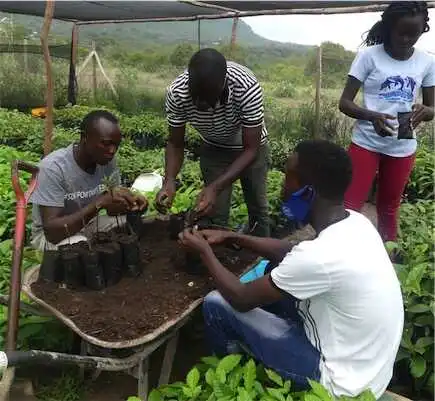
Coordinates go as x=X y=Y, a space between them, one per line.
x=91 y=118
x=207 y=65
x=380 y=32
x=324 y=165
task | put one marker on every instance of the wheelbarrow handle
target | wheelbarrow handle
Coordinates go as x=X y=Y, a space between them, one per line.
x=16 y=166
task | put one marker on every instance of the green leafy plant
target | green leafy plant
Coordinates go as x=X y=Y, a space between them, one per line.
x=415 y=247
x=421 y=183
x=236 y=378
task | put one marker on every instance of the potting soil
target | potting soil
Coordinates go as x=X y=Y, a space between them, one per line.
x=136 y=306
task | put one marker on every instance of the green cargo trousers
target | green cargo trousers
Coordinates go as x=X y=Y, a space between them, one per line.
x=214 y=162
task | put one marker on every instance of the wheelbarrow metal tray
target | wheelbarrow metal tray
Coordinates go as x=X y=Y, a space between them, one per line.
x=31 y=276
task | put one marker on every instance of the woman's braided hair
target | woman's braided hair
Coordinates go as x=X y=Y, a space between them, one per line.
x=380 y=32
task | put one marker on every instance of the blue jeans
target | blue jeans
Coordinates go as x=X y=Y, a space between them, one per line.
x=274 y=336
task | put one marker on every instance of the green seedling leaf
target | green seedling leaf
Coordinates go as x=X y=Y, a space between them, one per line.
x=243 y=395
x=274 y=377
x=155 y=395
x=289 y=398
x=276 y=394
x=312 y=397
x=235 y=377
x=259 y=387
x=267 y=397
x=197 y=391
x=168 y=391
x=418 y=366
x=424 y=342
x=188 y=392
x=221 y=376
x=402 y=354
x=249 y=374
x=211 y=361
x=226 y=398
x=221 y=390
x=366 y=395
x=210 y=377
x=134 y=398
x=228 y=363
x=419 y=308
x=193 y=377
x=287 y=385
x=320 y=391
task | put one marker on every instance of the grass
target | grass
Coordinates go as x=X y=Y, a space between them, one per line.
x=67 y=387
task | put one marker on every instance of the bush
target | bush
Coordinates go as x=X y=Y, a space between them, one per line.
x=23 y=91
x=416 y=275
x=284 y=89
x=421 y=183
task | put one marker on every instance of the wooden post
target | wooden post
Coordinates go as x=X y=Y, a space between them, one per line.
x=94 y=73
x=234 y=34
x=72 y=81
x=48 y=17
x=74 y=43
x=26 y=59
x=318 y=90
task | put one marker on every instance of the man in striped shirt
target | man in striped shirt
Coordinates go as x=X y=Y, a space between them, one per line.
x=224 y=103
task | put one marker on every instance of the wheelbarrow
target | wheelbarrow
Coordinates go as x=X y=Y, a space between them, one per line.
x=131 y=356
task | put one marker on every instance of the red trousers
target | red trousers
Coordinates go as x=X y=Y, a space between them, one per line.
x=393 y=175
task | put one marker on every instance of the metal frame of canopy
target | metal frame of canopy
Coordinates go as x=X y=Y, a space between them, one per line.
x=104 y=12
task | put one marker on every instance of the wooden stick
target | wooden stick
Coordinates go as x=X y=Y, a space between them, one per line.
x=104 y=73
x=234 y=34
x=293 y=11
x=26 y=59
x=72 y=83
x=84 y=64
x=318 y=90
x=48 y=17
x=168 y=360
x=94 y=73
x=199 y=34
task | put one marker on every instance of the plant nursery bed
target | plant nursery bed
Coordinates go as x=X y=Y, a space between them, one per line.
x=136 y=306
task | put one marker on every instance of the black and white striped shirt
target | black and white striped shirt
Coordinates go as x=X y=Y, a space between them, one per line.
x=222 y=126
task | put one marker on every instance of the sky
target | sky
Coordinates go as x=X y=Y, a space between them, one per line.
x=345 y=29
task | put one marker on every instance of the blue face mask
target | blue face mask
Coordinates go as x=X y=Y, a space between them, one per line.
x=297 y=207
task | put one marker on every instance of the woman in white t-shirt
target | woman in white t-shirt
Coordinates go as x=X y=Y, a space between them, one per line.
x=391 y=73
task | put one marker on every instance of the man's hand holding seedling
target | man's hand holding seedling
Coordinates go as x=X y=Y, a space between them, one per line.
x=121 y=200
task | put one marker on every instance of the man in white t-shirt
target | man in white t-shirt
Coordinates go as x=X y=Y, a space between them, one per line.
x=332 y=309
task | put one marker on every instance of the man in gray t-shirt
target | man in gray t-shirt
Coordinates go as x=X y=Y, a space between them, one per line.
x=70 y=191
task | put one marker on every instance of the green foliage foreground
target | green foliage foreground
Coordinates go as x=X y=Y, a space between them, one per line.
x=235 y=378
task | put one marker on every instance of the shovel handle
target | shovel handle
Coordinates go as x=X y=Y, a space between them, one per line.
x=16 y=166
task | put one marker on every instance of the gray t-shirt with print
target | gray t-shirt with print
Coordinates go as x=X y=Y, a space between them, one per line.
x=62 y=183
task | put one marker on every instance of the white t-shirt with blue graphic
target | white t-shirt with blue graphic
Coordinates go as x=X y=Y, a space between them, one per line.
x=389 y=86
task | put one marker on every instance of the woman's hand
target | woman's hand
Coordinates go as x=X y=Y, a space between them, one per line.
x=382 y=126
x=420 y=113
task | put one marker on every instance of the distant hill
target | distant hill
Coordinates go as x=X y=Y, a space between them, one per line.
x=135 y=35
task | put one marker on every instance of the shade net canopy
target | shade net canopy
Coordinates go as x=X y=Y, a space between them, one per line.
x=118 y=11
